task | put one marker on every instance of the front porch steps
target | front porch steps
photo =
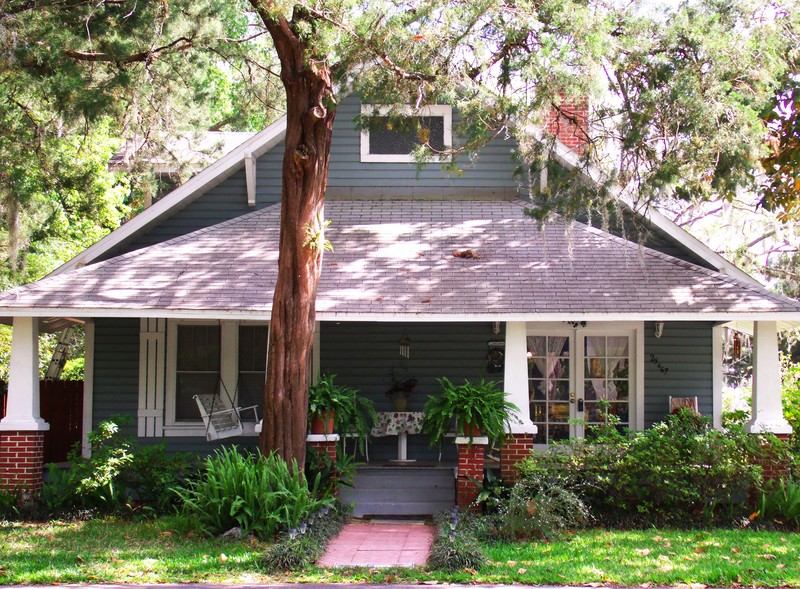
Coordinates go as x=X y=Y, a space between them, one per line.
x=388 y=489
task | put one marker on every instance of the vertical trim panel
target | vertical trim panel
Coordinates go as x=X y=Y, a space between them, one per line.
x=152 y=336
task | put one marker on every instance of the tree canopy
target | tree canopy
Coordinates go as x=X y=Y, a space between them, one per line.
x=679 y=98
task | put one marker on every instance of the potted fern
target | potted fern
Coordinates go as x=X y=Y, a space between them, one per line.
x=335 y=408
x=477 y=408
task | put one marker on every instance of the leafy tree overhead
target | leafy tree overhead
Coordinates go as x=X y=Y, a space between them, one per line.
x=677 y=98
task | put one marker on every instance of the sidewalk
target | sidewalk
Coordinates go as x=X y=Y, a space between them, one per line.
x=380 y=544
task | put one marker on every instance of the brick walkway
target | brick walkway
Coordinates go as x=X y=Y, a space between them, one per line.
x=380 y=544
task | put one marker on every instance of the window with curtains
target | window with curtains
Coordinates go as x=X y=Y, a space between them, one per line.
x=549 y=386
x=606 y=387
x=578 y=380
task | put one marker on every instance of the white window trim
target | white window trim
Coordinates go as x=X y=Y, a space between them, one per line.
x=435 y=110
x=229 y=366
x=634 y=329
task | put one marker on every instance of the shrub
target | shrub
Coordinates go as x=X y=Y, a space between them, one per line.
x=540 y=508
x=9 y=503
x=260 y=495
x=118 y=471
x=780 y=502
x=680 y=471
x=95 y=482
x=153 y=474
x=456 y=549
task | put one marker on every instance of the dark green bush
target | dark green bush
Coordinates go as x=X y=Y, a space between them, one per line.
x=297 y=550
x=260 y=495
x=780 y=503
x=118 y=472
x=9 y=503
x=680 y=472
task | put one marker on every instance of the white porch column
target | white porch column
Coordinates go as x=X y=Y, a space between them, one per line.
x=515 y=375
x=767 y=408
x=23 y=382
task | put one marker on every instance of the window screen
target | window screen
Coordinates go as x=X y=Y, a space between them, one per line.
x=252 y=365
x=393 y=136
x=197 y=367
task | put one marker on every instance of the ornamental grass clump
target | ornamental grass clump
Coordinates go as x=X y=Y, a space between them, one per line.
x=260 y=495
x=456 y=546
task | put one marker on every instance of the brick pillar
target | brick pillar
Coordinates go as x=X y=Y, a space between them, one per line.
x=470 y=470
x=325 y=447
x=516 y=447
x=774 y=465
x=325 y=444
x=22 y=460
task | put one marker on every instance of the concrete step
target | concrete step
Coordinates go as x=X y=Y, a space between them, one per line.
x=400 y=490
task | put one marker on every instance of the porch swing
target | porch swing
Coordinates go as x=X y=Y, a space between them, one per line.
x=225 y=421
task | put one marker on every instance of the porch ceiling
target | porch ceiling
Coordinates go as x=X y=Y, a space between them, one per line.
x=405 y=258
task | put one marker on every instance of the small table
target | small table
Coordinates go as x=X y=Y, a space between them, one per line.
x=400 y=424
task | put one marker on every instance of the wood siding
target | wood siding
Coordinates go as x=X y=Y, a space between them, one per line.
x=116 y=386
x=684 y=351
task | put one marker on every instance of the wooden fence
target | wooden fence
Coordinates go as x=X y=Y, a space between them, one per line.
x=61 y=405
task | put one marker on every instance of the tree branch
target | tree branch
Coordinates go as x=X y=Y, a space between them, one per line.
x=179 y=44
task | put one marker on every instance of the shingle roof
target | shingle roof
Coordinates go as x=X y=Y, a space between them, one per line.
x=398 y=258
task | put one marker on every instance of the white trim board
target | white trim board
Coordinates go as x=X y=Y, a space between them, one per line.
x=788 y=320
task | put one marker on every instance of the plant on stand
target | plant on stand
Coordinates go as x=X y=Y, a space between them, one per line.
x=335 y=408
x=477 y=408
x=400 y=389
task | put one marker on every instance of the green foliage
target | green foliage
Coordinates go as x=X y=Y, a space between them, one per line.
x=73 y=369
x=493 y=492
x=97 y=481
x=482 y=405
x=456 y=549
x=154 y=473
x=680 y=471
x=118 y=473
x=9 y=503
x=780 y=502
x=260 y=495
x=330 y=473
x=538 y=507
x=297 y=550
x=354 y=412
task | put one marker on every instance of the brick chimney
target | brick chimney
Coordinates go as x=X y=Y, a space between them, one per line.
x=569 y=123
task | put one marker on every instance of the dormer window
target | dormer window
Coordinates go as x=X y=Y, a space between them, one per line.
x=392 y=134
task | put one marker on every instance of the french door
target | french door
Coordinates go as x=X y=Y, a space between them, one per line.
x=579 y=378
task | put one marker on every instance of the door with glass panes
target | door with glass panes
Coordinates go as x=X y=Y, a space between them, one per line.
x=578 y=378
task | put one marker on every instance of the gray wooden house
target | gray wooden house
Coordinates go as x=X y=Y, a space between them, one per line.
x=431 y=275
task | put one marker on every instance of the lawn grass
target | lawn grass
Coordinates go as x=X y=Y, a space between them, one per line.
x=151 y=552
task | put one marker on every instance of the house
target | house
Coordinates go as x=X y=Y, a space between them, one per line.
x=431 y=275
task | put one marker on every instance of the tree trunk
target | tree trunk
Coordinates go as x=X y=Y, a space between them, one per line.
x=309 y=126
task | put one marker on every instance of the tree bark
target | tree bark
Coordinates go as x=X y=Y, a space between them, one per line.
x=309 y=126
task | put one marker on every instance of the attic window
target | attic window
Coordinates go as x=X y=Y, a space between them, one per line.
x=393 y=133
